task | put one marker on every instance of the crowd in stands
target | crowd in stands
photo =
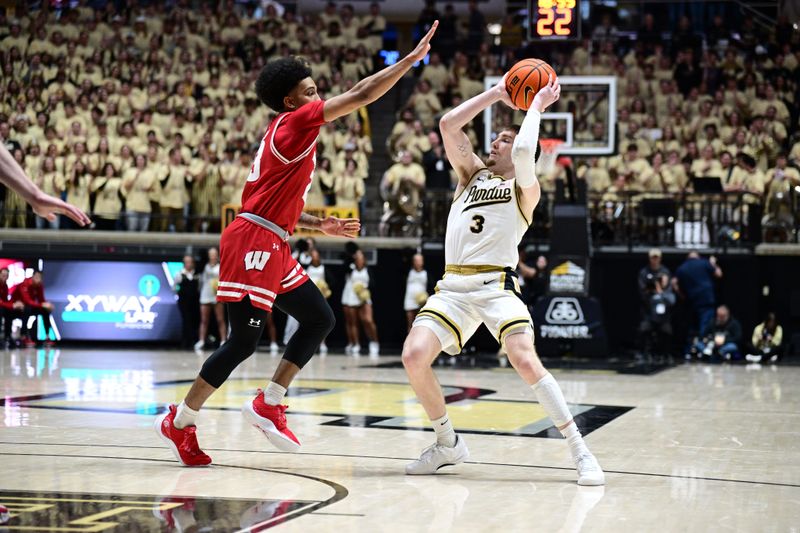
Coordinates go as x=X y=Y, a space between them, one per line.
x=721 y=103
x=147 y=117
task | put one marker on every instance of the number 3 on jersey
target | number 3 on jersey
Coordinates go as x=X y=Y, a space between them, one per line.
x=477 y=224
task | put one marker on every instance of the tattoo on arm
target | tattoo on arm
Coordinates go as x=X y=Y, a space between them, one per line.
x=464 y=150
x=309 y=221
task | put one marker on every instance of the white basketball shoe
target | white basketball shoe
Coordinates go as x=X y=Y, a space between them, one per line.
x=589 y=471
x=436 y=456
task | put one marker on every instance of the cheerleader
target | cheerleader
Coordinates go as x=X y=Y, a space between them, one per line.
x=209 y=279
x=416 y=289
x=316 y=272
x=357 y=304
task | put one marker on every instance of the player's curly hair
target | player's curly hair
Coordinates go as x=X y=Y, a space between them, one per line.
x=277 y=78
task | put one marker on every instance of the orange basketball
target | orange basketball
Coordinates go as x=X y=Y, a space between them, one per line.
x=525 y=79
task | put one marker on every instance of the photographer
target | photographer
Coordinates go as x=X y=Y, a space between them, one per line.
x=721 y=338
x=656 y=326
x=767 y=341
x=653 y=270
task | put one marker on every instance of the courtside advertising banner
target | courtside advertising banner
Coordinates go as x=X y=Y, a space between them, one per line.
x=113 y=300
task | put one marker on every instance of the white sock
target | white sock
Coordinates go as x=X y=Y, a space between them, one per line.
x=552 y=401
x=273 y=394
x=445 y=434
x=185 y=416
x=574 y=440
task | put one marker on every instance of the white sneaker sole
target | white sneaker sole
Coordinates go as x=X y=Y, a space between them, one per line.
x=461 y=459
x=265 y=426
x=171 y=445
x=592 y=482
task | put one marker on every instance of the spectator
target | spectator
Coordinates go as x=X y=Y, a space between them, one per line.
x=438 y=171
x=107 y=189
x=779 y=183
x=78 y=182
x=31 y=293
x=9 y=308
x=416 y=289
x=51 y=182
x=533 y=279
x=766 y=341
x=209 y=281
x=721 y=338
x=401 y=186
x=357 y=304
x=137 y=185
x=187 y=285
x=349 y=187
x=694 y=281
x=174 y=196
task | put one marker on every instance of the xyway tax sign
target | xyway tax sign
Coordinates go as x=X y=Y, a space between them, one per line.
x=113 y=300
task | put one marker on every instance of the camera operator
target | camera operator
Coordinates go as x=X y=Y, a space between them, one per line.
x=656 y=326
x=721 y=337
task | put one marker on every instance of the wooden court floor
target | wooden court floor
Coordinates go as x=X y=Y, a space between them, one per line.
x=687 y=448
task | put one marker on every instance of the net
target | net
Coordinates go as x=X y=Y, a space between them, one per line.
x=546 y=163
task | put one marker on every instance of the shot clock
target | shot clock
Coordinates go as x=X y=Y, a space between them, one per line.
x=557 y=20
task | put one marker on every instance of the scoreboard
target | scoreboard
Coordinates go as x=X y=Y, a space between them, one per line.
x=554 y=20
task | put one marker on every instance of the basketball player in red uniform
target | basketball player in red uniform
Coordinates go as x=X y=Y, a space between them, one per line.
x=257 y=269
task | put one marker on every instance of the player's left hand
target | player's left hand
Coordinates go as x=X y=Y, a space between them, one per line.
x=340 y=227
x=547 y=95
x=47 y=206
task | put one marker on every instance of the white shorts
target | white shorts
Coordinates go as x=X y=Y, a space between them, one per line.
x=463 y=302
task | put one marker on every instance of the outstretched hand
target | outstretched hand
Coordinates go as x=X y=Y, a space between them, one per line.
x=547 y=95
x=424 y=46
x=340 y=227
x=48 y=207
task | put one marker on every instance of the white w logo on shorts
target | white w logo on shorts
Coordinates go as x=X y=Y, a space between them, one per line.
x=256 y=260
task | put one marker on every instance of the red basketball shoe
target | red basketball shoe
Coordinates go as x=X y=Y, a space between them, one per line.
x=4 y=516
x=271 y=421
x=182 y=442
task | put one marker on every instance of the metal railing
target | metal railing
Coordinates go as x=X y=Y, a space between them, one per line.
x=733 y=219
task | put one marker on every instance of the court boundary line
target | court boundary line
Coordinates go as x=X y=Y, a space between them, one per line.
x=481 y=463
x=340 y=492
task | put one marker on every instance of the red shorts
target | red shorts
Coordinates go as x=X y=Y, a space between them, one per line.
x=257 y=263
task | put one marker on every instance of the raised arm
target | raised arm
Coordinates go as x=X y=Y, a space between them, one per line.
x=523 y=153
x=373 y=87
x=456 y=143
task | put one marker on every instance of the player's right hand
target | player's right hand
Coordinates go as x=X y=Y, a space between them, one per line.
x=502 y=93
x=547 y=95
x=424 y=46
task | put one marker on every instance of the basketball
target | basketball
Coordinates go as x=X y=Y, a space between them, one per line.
x=525 y=79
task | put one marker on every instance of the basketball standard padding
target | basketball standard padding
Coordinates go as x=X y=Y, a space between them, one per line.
x=525 y=79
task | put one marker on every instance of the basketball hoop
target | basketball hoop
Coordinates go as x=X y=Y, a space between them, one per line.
x=547 y=158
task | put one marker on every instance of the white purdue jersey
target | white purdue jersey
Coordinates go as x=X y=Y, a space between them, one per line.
x=486 y=223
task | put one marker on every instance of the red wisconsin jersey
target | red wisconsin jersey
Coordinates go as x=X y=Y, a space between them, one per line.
x=281 y=174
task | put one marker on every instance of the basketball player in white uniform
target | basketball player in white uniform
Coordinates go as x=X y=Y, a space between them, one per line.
x=492 y=209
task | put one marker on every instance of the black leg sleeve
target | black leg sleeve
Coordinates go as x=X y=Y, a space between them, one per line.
x=247 y=324
x=309 y=307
